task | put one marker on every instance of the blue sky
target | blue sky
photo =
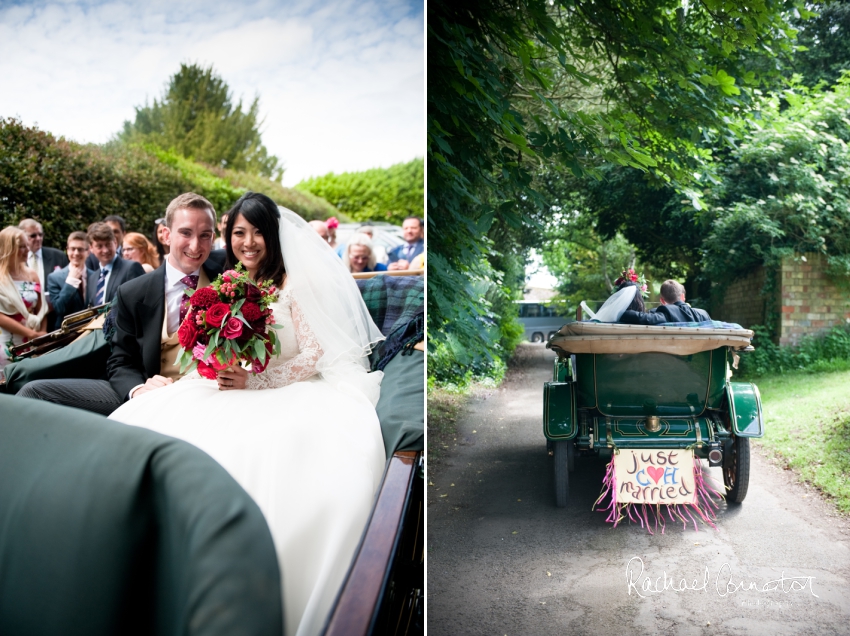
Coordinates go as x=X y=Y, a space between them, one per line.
x=341 y=82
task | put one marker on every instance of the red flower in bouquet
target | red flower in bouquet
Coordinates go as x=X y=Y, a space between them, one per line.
x=228 y=323
x=232 y=329
x=252 y=311
x=216 y=313
x=204 y=298
x=207 y=371
x=188 y=333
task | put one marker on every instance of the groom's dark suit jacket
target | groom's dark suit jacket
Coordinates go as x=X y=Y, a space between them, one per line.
x=139 y=312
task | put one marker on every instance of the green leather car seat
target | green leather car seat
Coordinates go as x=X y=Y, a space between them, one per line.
x=110 y=529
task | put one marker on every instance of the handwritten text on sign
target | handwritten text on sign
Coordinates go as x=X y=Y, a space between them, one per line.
x=655 y=476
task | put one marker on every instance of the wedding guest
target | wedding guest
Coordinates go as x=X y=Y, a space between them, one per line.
x=412 y=229
x=333 y=224
x=22 y=304
x=138 y=248
x=118 y=228
x=159 y=238
x=321 y=229
x=43 y=260
x=378 y=250
x=112 y=270
x=358 y=256
x=218 y=244
x=67 y=286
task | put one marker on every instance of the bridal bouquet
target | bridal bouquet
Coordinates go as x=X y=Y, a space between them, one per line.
x=229 y=323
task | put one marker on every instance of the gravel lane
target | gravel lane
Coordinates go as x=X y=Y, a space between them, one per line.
x=502 y=559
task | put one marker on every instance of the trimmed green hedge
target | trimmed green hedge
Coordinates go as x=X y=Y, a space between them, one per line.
x=379 y=194
x=67 y=186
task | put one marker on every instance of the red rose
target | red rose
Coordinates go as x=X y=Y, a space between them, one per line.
x=216 y=314
x=220 y=366
x=233 y=328
x=204 y=297
x=188 y=333
x=206 y=371
x=251 y=311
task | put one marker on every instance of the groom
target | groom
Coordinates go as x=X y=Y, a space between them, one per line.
x=147 y=315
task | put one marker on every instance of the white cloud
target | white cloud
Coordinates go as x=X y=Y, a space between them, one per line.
x=341 y=83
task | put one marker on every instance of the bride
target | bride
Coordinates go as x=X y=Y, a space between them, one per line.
x=302 y=437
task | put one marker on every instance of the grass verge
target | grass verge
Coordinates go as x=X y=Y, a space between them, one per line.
x=807 y=426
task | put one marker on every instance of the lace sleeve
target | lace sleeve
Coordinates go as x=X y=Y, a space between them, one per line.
x=298 y=368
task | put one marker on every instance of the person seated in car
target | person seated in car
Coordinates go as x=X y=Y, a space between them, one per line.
x=673 y=308
x=358 y=256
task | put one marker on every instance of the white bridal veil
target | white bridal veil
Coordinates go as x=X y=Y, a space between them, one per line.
x=332 y=305
x=615 y=306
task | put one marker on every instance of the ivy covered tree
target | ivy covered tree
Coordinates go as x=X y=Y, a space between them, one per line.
x=197 y=118
x=786 y=188
x=531 y=86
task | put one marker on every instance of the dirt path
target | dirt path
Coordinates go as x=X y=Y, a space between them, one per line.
x=502 y=559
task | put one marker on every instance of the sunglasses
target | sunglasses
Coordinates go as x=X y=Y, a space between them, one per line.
x=159 y=221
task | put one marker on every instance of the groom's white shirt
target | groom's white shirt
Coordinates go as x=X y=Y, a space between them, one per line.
x=174 y=290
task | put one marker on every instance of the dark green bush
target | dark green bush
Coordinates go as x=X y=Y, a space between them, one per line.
x=67 y=186
x=827 y=351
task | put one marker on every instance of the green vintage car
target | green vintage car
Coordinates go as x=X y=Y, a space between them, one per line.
x=619 y=386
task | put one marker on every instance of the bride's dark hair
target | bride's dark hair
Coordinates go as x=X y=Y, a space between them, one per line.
x=261 y=212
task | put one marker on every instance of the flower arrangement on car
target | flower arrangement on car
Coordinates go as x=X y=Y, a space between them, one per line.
x=229 y=323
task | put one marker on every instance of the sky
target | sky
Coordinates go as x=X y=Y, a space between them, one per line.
x=341 y=82
x=536 y=273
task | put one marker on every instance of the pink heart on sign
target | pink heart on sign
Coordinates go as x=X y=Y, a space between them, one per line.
x=655 y=473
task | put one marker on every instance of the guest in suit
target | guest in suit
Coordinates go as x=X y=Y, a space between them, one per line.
x=67 y=286
x=44 y=260
x=413 y=231
x=112 y=270
x=119 y=228
x=147 y=315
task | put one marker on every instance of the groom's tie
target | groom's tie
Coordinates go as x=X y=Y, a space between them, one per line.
x=190 y=281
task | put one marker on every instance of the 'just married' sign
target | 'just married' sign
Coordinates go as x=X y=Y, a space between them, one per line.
x=652 y=476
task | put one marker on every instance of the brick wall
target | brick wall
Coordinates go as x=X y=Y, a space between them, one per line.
x=742 y=302
x=810 y=302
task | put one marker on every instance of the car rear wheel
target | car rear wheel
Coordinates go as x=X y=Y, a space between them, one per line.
x=562 y=472
x=736 y=470
x=537 y=337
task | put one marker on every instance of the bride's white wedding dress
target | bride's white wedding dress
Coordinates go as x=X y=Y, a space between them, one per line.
x=308 y=450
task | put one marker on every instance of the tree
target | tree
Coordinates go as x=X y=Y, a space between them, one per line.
x=786 y=188
x=824 y=44
x=518 y=88
x=196 y=117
